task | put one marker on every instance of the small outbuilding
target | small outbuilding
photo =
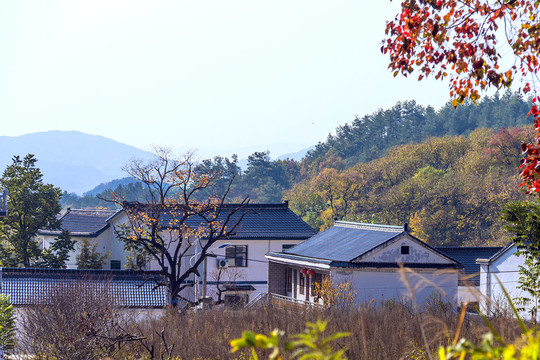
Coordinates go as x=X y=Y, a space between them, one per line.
x=380 y=262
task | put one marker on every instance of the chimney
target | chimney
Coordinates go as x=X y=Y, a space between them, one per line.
x=406 y=227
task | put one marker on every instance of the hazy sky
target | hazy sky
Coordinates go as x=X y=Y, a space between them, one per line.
x=216 y=76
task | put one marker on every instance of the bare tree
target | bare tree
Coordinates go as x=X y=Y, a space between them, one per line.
x=173 y=226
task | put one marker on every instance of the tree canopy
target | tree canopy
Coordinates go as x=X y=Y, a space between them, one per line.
x=173 y=228
x=32 y=205
x=450 y=189
x=461 y=40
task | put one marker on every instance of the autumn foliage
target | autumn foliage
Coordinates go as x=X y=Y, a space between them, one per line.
x=469 y=42
x=451 y=189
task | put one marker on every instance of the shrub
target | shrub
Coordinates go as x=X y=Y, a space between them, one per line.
x=74 y=321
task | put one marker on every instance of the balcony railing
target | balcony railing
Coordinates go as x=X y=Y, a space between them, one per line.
x=280 y=300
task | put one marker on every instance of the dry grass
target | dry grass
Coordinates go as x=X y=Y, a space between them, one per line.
x=389 y=331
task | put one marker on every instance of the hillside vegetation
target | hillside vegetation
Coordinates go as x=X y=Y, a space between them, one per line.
x=450 y=189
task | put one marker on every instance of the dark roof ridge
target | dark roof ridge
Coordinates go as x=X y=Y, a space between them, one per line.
x=469 y=247
x=104 y=212
x=367 y=226
x=283 y=205
x=77 y=272
x=497 y=255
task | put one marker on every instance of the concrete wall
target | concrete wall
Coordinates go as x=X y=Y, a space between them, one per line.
x=254 y=274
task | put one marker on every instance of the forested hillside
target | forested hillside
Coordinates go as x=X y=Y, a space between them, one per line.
x=368 y=137
x=451 y=189
x=447 y=173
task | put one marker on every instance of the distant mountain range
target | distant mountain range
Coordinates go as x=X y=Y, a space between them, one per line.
x=72 y=160
x=78 y=162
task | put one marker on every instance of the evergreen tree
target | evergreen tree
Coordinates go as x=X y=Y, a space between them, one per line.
x=32 y=205
x=89 y=257
x=57 y=254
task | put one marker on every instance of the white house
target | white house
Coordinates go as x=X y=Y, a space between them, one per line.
x=95 y=225
x=370 y=257
x=469 y=276
x=239 y=263
x=501 y=269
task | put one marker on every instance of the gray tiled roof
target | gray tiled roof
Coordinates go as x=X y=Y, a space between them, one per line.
x=467 y=257
x=345 y=241
x=27 y=286
x=81 y=222
x=261 y=221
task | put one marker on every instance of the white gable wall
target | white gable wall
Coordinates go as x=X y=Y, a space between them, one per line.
x=418 y=253
x=503 y=270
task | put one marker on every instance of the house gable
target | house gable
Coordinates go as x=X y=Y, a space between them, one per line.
x=404 y=249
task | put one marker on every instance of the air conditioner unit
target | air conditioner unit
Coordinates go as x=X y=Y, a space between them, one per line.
x=222 y=263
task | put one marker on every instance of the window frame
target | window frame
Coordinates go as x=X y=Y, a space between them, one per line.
x=243 y=255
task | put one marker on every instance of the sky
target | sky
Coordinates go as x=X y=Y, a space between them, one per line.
x=217 y=76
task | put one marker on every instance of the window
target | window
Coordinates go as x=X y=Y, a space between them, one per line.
x=302 y=284
x=286 y=246
x=294 y=276
x=236 y=255
x=116 y=265
x=237 y=300
x=404 y=250
x=288 y=288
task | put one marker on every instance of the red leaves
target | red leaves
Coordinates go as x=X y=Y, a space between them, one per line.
x=459 y=39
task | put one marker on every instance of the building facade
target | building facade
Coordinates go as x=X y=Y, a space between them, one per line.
x=379 y=262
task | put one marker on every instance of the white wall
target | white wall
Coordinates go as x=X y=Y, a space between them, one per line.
x=385 y=284
x=106 y=243
x=255 y=274
x=417 y=253
x=502 y=271
x=379 y=285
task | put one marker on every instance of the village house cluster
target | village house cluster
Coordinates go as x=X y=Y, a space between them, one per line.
x=274 y=253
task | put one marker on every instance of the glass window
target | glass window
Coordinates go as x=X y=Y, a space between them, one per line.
x=289 y=281
x=236 y=255
x=116 y=265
